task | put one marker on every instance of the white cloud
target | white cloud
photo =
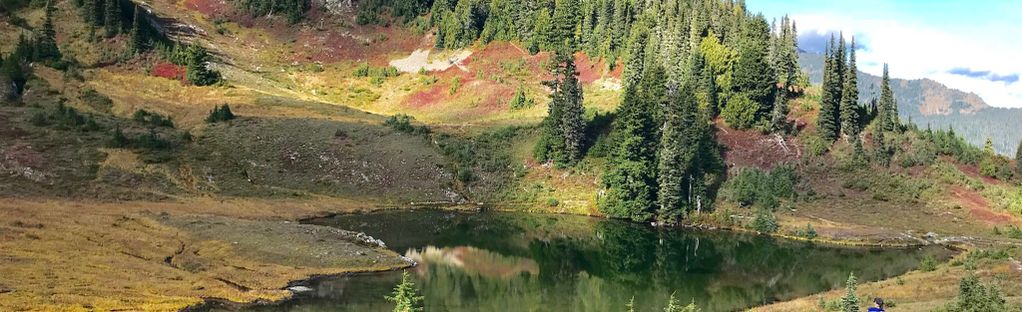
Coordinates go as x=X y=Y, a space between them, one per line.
x=916 y=51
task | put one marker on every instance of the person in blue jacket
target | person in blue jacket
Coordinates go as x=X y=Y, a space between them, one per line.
x=879 y=302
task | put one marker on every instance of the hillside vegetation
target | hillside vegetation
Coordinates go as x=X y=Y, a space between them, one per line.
x=138 y=120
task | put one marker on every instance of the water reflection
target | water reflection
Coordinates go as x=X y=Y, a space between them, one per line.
x=518 y=262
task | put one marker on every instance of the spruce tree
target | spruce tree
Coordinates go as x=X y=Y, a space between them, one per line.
x=753 y=74
x=1018 y=159
x=850 y=97
x=675 y=154
x=631 y=178
x=572 y=119
x=779 y=115
x=405 y=296
x=112 y=17
x=46 y=42
x=138 y=42
x=564 y=125
x=850 y=302
x=887 y=109
x=636 y=56
x=198 y=72
x=827 y=123
x=562 y=26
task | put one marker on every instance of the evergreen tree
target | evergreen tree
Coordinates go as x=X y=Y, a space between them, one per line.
x=753 y=74
x=887 y=109
x=405 y=296
x=91 y=13
x=564 y=125
x=858 y=153
x=850 y=302
x=1018 y=160
x=112 y=17
x=779 y=116
x=850 y=97
x=631 y=178
x=827 y=122
x=46 y=42
x=561 y=33
x=787 y=54
x=572 y=118
x=636 y=56
x=198 y=71
x=138 y=40
x=675 y=154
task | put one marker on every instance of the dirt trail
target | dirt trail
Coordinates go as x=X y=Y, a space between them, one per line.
x=420 y=60
x=980 y=208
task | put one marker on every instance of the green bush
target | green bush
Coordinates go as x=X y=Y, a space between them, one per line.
x=740 y=112
x=752 y=186
x=455 y=85
x=222 y=113
x=808 y=232
x=764 y=222
x=364 y=70
x=974 y=296
x=403 y=123
x=152 y=119
x=64 y=117
x=928 y=264
x=520 y=100
x=815 y=145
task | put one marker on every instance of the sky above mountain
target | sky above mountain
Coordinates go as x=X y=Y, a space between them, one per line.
x=974 y=46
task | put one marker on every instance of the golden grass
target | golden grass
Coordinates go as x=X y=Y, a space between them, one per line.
x=64 y=255
x=916 y=290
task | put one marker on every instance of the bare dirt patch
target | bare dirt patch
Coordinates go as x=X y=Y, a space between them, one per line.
x=749 y=148
x=979 y=208
x=420 y=60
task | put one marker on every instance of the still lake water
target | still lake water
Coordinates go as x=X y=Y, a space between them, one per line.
x=525 y=262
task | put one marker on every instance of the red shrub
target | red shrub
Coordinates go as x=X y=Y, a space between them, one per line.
x=169 y=71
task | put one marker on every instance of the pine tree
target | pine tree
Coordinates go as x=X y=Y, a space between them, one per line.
x=635 y=57
x=564 y=125
x=787 y=54
x=827 y=122
x=631 y=178
x=572 y=119
x=562 y=26
x=198 y=71
x=46 y=42
x=112 y=17
x=850 y=302
x=887 y=109
x=779 y=116
x=138 y=40
x=675 y=154
x=753 y=74
x=405 y=296
x=850 y=97
x=858 y=153
x=1018 y=159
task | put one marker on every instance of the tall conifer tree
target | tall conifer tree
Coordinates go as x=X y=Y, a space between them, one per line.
x=112 y=17
x=887 y=108
x=827 y=122
x=850 y=97
x=46 y=41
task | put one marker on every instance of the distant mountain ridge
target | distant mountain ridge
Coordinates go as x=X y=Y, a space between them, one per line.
x=926 y=102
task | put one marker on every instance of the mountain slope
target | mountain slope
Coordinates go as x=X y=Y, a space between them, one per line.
x=928 y=102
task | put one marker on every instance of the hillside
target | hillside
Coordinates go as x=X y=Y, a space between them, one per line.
x=927 y=102
x=187 y=162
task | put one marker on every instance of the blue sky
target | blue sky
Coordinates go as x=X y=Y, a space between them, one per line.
x=974 y=46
